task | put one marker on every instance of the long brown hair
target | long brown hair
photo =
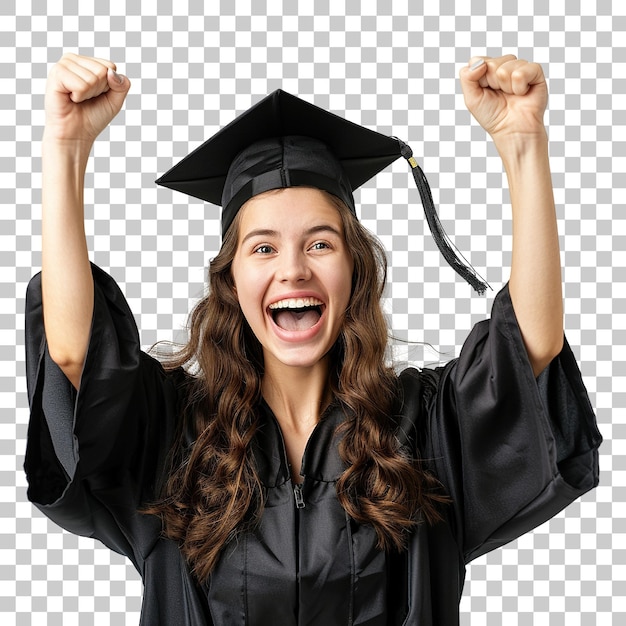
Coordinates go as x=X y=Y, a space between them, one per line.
x=213 y=492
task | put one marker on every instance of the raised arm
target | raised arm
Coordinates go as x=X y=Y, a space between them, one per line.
x=82 y=96
x=508 y=97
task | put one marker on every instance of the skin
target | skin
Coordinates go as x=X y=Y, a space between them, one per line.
x=82 y=97
x=507 y=96
x=292 y=244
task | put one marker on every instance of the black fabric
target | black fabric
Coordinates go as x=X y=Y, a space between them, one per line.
x=58 y=397
x=278 y=163
x=361 y=152
x=510 y=451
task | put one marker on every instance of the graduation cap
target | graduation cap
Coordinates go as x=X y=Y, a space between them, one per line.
x=283 y=141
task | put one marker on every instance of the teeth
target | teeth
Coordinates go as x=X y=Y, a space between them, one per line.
x=295 y=303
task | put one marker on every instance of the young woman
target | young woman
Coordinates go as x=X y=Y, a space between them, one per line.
x=276 y=471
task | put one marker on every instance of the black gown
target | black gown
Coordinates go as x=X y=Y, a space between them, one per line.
x=511 y=451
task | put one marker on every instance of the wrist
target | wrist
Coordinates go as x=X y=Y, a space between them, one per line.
x=65 y=153
x=516 y=147
x=527 y=165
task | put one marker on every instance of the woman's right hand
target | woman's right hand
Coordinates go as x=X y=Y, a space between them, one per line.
x=83 y=95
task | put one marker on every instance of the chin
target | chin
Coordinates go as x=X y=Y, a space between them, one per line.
x=299 y=358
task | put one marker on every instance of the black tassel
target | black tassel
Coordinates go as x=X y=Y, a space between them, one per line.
x=449 y=251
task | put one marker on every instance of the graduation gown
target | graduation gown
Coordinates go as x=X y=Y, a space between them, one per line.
x=510 y=450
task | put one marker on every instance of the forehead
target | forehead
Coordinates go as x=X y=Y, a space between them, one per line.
x=288 y=210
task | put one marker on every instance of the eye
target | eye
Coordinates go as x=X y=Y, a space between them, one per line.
x=320 y=245
x=264 y=249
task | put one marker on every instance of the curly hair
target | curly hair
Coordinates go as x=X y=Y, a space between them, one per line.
x=213 y=492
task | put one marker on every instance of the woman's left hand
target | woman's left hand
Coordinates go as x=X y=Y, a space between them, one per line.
x=506 y=95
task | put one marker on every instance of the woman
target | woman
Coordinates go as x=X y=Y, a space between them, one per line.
x=292 y=478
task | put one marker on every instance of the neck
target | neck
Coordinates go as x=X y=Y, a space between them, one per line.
x=296 y=395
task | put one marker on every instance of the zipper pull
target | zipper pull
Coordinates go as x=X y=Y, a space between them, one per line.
x=297 y=492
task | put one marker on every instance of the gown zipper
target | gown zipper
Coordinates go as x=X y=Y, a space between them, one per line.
x=299 y=498
x=297 y=492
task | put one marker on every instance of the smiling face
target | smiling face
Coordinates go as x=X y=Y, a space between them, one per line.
x=293 y=274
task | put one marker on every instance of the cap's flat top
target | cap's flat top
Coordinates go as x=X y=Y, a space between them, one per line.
x=362 y=152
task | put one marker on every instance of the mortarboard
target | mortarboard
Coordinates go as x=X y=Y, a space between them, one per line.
x=283 y=141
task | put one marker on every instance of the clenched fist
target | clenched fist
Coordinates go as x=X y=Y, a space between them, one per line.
x=506 y=95
x=83 y=95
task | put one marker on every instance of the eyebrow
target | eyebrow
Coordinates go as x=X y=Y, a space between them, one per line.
x=267 y=232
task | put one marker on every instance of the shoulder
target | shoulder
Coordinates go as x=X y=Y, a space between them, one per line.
x=415 y=402
x=419 y=387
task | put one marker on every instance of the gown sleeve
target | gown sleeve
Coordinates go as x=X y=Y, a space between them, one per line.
x=510 y=449
x=95 y=456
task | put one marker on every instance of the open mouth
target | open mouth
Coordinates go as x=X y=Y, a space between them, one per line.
x=296 y=314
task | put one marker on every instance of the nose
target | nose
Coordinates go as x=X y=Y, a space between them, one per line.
x=293 y=267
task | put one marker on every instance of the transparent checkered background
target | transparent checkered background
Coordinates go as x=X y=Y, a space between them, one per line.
x=391 y=66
